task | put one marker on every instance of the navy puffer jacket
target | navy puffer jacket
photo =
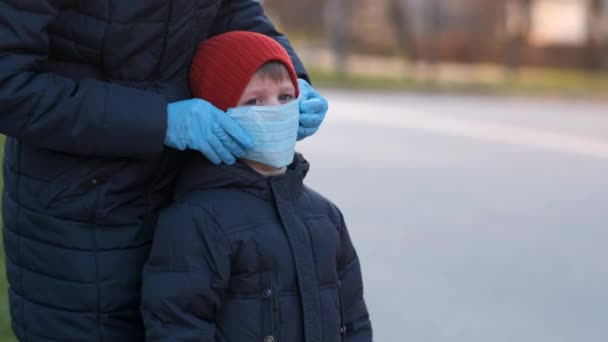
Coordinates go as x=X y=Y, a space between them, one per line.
x=84 y=86
x=239 y=257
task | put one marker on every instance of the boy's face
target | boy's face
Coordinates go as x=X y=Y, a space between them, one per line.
x=264 y=91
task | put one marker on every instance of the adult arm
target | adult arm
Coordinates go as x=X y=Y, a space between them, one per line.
x=356 y=318
x=87 y=117
x=185 y=276
x=248 y=15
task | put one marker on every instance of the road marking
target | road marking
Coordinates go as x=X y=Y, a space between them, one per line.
x=376 y=114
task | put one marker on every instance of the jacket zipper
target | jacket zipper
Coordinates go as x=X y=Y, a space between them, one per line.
x=268 y=296
x=342 y=325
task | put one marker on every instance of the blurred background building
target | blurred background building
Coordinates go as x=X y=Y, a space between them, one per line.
x=408 y=34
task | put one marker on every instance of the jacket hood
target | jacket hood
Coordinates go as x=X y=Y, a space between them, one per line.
x=200 y=174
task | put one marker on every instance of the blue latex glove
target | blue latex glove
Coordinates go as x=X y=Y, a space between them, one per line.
x=198 y=125
x=313 y=108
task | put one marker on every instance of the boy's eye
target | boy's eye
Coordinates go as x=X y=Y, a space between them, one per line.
x=286 y=97
x=252 y=102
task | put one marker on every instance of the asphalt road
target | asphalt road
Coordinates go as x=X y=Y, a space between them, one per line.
x=475 y=218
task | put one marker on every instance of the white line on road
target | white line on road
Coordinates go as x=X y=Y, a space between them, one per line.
x=386 y=115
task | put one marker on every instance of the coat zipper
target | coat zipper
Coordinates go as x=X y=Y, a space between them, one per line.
x=268 y=296
x=342 y=325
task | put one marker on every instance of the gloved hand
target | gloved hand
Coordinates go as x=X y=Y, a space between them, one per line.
x=198 y=125
x=313 y=108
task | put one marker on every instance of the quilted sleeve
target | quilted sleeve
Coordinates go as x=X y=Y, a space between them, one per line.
x=185 y=276
x=86 y=117
x=248 y=15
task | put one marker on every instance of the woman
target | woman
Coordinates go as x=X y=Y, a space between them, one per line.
x=91 y=94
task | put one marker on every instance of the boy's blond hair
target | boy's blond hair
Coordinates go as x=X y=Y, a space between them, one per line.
x=273 y=70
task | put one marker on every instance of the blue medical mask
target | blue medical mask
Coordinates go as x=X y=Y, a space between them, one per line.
x=274 y=130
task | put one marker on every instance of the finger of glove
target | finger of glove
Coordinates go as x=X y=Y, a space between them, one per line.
x=220 y=150
x=303 y=85
x=235 y=131
x=229 y=143
x=310 y=120
x=304 y=132
x=208 y=152
x=197 y=135
x=315 y=105
x=306 y=90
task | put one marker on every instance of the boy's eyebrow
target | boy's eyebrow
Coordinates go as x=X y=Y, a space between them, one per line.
x=287 y=88
x=254 y=91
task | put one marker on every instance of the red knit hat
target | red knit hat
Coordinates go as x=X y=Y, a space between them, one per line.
x=223 y=65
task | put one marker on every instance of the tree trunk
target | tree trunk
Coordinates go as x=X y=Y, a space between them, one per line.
x=434 y=14
x=335 y=17
x=519 y=19
x=399 y=15
x=603 y=35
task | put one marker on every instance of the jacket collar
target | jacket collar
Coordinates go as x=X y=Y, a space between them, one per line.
x=200 y=174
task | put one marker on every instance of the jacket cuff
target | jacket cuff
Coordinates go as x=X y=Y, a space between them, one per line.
x=135 y=122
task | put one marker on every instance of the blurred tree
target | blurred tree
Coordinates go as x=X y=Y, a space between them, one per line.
x=400 y=16
x=435 y=18
x=593 y=35
x=299 y=16
x=487 y=29
x=598 y=34
x=604 y=34
x=518 y=23
x=370 y=28
x=336 y=12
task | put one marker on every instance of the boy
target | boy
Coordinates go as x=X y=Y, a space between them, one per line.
x=248 y=252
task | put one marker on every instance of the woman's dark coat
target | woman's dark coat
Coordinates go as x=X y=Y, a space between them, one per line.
x=84 y=86
x=239 y=257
